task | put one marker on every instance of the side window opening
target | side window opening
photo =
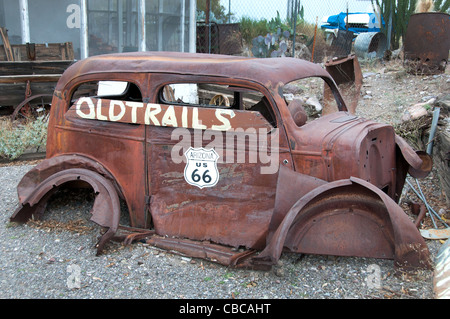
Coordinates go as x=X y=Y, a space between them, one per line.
x=207 y=95
x=113 y=90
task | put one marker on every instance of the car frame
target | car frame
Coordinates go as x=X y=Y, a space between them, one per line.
x=325 y=186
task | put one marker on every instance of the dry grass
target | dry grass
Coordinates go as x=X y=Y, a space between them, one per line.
x=75 y=226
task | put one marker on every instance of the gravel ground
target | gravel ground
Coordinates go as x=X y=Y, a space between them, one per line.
x=37 y=261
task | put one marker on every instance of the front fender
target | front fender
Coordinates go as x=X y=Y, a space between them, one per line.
x=348 y=217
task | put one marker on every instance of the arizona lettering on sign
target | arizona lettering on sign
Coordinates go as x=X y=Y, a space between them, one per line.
x=166 y=115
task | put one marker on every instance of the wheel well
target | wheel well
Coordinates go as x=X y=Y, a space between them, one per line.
x=106 y=210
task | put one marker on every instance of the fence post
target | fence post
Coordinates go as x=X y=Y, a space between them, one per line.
x=192 y=26
x=208 y=24
x=295 y=27
x=389 y=30
x=141 y=25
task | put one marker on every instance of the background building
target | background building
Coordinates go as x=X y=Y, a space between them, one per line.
x=102 y=26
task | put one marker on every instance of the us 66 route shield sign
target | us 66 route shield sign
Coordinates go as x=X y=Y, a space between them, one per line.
x=201 y=167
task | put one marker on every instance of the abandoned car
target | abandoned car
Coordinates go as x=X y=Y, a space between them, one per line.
x=215 y=161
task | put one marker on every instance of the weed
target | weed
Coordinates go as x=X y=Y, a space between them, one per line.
x=228 y=275
x=17 y=137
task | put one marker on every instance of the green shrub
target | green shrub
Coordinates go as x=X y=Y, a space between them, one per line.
x=16 y=138
x=251 y=28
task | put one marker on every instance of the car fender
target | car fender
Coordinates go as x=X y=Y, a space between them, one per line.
x=349 y=217
x=37 y=186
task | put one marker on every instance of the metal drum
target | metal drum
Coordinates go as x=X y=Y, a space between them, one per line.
x=427 y=43
x=370 y=45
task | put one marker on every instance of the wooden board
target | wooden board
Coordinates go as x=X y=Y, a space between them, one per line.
x=14 y=94
x=33 y=67
x=37 y=52
x=6 y=50
x=441 y=159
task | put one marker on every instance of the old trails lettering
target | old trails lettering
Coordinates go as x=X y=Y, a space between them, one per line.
x=180 y=116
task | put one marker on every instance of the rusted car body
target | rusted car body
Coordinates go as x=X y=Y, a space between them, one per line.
x=326 y=186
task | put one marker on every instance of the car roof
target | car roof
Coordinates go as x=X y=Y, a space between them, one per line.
x=266 y=71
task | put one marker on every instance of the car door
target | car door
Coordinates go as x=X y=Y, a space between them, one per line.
x=212 y=169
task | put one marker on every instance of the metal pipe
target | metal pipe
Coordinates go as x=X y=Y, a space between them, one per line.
x=294 y=28
x=141 y=25
x=160 y=24
x=84 y=40
x=426 y=203
x=208 y=23
x=129 y=24
x=423 y=199
x=182 y=22
x=192 y=26
x=120 y=24
x=24 y=21
x=110 y=25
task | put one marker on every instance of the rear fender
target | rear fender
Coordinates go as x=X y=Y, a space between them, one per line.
x=348 y=217
x=57 y=164
x=105 y=211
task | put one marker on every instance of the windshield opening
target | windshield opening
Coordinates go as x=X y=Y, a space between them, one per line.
x=311 y=96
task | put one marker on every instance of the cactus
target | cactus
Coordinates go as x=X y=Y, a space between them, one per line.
x=273 y=44
x=400 y=10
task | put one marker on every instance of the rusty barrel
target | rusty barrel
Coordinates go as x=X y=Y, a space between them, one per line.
x=427 y=43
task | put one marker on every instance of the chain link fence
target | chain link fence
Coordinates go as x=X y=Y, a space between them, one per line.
x=307 y=29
